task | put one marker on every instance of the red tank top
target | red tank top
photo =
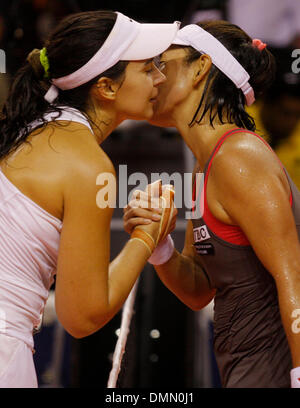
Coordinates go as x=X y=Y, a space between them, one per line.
x=250 y=344
x=229 y=233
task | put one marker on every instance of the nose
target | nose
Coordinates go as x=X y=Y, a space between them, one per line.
x=158 y=77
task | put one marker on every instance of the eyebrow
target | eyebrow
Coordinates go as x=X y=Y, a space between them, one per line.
x=148 y=61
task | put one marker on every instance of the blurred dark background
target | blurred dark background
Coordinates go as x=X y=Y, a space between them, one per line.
x=168 y=345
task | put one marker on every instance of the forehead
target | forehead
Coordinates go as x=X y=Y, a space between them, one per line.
x=174 y=53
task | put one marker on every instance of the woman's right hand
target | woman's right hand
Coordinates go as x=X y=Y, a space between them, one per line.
x=145 y=209
x=142 y=210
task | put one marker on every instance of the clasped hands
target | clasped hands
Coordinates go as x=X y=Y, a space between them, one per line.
x=150 y=216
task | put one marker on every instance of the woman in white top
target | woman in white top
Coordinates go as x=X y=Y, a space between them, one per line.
x=63 y=103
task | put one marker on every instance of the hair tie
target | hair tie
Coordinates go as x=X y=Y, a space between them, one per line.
x=34 y=60
x=44 y=62
x=258 y=44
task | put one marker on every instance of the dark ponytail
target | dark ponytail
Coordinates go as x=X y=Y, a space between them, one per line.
x=221 y=96
x=75 y=40
x=25 y=103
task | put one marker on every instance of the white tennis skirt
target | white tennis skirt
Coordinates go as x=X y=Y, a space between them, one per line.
x=16 y=364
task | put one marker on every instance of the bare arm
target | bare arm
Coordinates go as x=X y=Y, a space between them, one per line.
x=89 y=289
x=184 y=276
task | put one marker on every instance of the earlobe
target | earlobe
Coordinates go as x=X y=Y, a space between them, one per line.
x=105 y=89
x=202 y=68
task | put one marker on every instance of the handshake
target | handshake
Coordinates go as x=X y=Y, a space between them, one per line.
x=150 y=217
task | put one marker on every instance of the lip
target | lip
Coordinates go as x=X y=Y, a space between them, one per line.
x=154 y=97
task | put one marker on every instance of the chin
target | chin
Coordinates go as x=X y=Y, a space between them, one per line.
x=144 y=115
x=161 y=118
x=160 y=121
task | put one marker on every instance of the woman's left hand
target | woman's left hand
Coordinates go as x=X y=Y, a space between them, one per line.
x=145 y=207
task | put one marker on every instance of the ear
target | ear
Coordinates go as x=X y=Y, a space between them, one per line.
x=105 y=89
x=202 y=68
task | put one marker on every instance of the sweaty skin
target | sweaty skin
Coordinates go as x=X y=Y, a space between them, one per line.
x=246 y=187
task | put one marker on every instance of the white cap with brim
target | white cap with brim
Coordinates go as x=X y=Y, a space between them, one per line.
x=127 y=41
x=194 y=36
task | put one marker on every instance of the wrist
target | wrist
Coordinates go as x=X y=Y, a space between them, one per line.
x=145 y=238
x=162 y=252
x=295 y=377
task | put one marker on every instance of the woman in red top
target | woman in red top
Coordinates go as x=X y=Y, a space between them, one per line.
x=243 y=249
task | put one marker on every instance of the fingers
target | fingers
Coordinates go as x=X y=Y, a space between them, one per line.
x=168 y=212
x=151 y=197
x=146 y=206
x=175 y=211
x=154 y=189
x=168 y=194
x=140 y=213
x=133 y=222
x=141 y=210
x=144 y=200
x=172 y=227
x=167 y=186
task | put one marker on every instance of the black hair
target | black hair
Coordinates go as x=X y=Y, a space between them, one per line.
x=72 y=43
x=220 y=95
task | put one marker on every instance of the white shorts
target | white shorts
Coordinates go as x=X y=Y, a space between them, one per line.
x=16 y=364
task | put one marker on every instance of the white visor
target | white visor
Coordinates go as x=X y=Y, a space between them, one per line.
x=127 y=41
x=194 y=36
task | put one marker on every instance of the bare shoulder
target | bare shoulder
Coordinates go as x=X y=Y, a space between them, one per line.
x=246 y=162
x=56 y=163
x=74 y=153
x=246 y=154
x=77 y=141
x=78 y=147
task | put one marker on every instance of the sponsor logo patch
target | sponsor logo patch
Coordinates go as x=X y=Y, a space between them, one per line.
x=201 y=233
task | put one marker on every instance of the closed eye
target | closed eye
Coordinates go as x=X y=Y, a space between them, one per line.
x=162 y=65
x=149 y=67
x=159 y=63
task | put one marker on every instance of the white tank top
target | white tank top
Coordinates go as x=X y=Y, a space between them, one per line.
x=29 y=243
